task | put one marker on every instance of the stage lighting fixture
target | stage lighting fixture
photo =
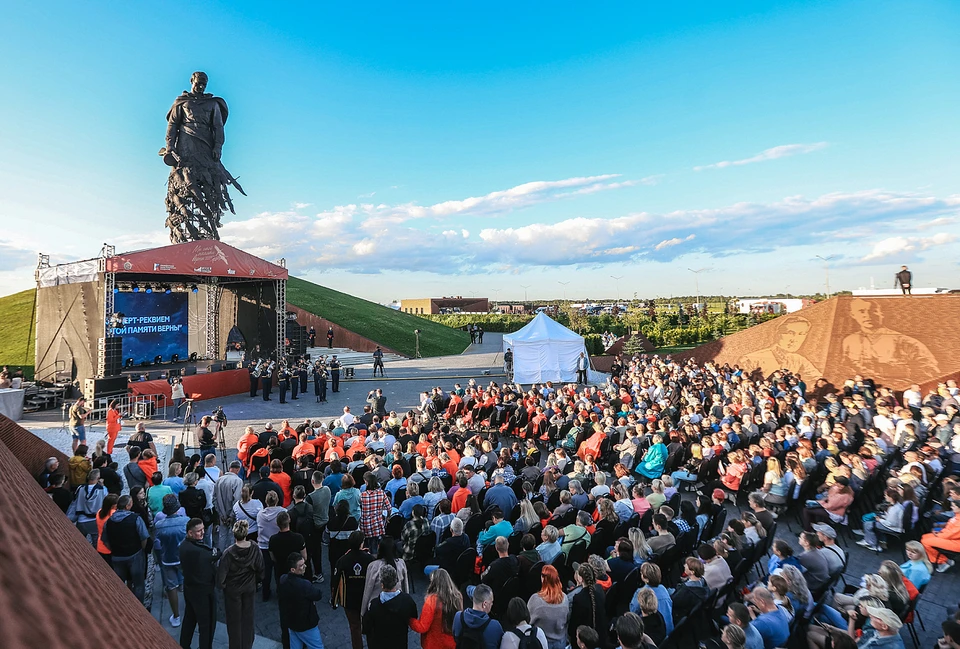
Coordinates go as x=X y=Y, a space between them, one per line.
x=175 y=358
x=149 y=289
x=167 y=290
x=157 y=359
x=193 y=357
x=116 y=289
x=136 y=288
x=193 y=288
x=128 y=363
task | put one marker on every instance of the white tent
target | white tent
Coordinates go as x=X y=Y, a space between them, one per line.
x=545 y=350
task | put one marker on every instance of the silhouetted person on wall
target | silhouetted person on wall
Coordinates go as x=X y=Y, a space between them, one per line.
x=903 y=279
x=330 y=338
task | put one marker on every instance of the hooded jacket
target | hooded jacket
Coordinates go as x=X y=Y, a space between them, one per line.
x=170 y=533
x=267 y=525
x=240 y=569
x=474 y=619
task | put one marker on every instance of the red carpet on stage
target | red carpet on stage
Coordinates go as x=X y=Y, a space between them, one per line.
x=201 y=386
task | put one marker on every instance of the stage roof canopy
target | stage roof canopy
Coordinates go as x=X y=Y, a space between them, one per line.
x=198 y=258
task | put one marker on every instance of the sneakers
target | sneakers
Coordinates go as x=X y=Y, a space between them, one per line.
x=857 y=532
x=943 y=567
x=865 y=544
x=174 y=621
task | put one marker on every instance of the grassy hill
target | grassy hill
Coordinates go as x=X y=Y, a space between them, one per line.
x=16 y=329
x=390 y=328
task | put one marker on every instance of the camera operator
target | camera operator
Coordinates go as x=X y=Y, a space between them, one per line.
x=206 y=437
x=178 y=395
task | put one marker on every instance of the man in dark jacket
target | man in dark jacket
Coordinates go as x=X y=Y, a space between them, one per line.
x=199 y=564
x=386 y=621
x=133 y=474
x=298 y=608
x=266 y=485
x=476 y=622
x=350 y=574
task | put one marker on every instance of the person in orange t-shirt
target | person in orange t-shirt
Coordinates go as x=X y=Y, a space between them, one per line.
x=460 y=495
x=449 y=464
x=148 y=463
x=107 y=509
x=282 y=479
x=114 y=424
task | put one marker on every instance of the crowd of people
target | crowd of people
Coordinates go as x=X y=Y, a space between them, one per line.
x=559 y=515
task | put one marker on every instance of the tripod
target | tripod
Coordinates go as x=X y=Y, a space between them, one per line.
x=189 y=421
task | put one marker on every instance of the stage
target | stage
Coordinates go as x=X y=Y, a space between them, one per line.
x=151 y=313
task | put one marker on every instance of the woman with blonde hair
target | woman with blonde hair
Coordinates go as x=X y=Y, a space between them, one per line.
x=641 y=549
x=550 y=610
x=917 y=568
x=241 y=568
x=688 y=473
x=528 y=517
x=899 y=599
x=775 y=486
x=442 y=603
x=797 y=589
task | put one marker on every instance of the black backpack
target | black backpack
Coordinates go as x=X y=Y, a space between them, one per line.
x=528 y=640
x=471 y=638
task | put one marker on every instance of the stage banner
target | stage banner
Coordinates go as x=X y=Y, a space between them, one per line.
x=154 y=324
x=200 y=386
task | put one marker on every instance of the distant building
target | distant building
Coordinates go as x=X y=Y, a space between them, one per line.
x=435 y=305
x=513 y=309
x=772 y=305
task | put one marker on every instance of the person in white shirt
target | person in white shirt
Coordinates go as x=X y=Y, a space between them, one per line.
x=347 y=418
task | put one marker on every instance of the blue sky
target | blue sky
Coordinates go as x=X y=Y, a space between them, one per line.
x=397 y=150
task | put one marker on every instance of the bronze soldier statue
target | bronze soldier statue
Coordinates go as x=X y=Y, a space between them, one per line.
x=197 y=193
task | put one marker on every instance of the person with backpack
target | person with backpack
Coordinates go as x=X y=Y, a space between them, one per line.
x=474 y=628
x=520 y=634
x=348 y=582
x=388 y=616
x=87 y=501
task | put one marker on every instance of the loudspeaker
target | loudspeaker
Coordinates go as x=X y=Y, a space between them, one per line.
x=190 y=371
x=111 y=348
x=96 y=388
x=216 y=367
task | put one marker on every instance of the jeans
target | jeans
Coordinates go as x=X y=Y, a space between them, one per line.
x=132 y=571
x=870 y=529
x=832 y=616
x=310 y=639
x=89 y=530
x=685 y=476
x=79 y=433
x=267 y=573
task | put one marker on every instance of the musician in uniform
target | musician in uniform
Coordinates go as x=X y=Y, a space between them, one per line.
x=320 y=382
x=294 y=383
x=283 y=383
x=302 y=374
x=335 y=374
x=313 y=338
x=254 y=370
x=266 y=380
x=330 y=339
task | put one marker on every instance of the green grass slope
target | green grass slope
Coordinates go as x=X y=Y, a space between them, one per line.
x=381 y=324
x=16 y=329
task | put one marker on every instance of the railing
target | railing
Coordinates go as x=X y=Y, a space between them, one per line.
x=56 y=366
x=132 y=406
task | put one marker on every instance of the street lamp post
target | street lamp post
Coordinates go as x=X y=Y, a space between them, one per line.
x=696 y=274
x=826 y=269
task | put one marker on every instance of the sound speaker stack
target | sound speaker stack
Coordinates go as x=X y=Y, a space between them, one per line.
x=94 y=389
x=111 y=350
x=297 y=338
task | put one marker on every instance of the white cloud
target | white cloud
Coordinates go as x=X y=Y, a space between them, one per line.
x=773 y=153
x=676 y=241
x=300 y=206
x=905 y=246
x=375 y=238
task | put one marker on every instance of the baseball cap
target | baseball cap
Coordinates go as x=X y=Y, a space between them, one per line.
x=826 y=530
x=886 y=616
x=719 y=494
